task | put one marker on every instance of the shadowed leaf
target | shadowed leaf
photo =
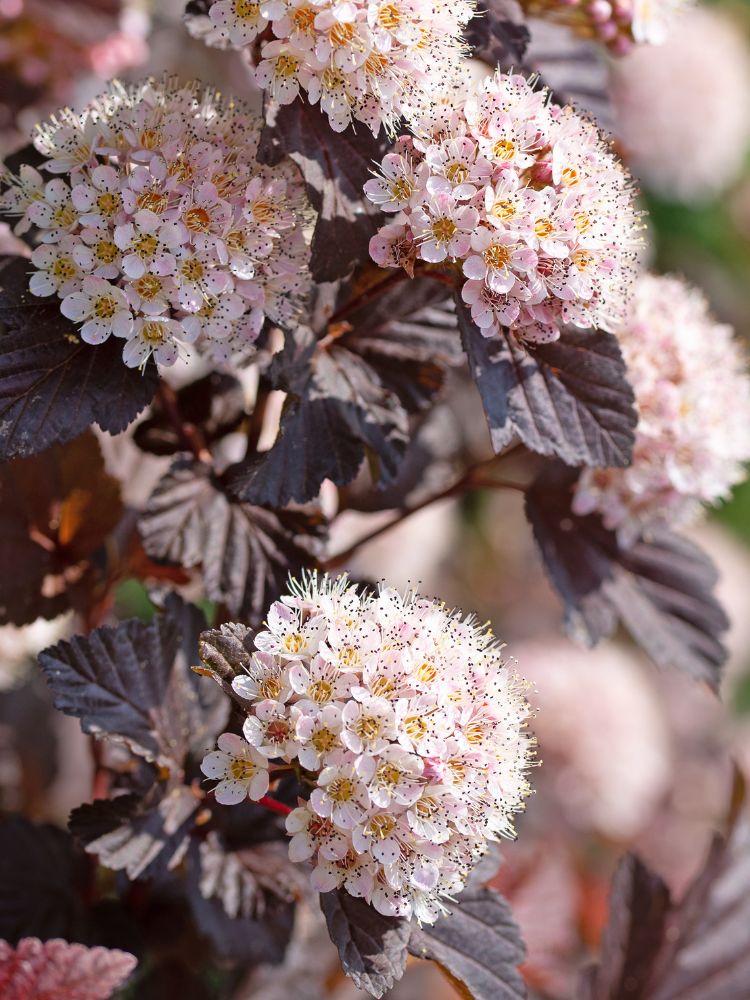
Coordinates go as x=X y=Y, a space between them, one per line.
x=372 y=948
x=478 y=944
x=569 y=398
x=498 y=34
x=52 y=385
x=661 y=589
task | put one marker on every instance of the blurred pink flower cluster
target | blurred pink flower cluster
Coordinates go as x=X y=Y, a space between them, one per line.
x=619 y=24
x=530 y=200
x=693 y=398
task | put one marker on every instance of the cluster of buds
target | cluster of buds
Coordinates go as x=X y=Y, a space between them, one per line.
x=526 y=196
x=693 y=397
x=365 y=60
x=159 y=226
x=618 y=24
x=408 y=724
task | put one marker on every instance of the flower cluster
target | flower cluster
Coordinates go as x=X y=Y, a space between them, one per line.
x=526 y=196
x=683 y=110
x=618 y=24
x=364 y=60
x=409 y=724
x=693 y=397
x=159 y=226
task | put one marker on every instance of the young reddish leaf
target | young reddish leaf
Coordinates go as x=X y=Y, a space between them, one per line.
x=52 y=385
x=57 y=509
x=335 y=167
x=478 y=944
x=246 y=552
x=570 y=398
x=661 y=589
x=657 y=949
x=57 y=970
x=372 y=948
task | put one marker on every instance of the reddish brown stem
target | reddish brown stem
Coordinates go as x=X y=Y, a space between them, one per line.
x=274 y=806
x=189 y=435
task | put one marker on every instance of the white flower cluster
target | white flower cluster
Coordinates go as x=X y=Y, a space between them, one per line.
x=693 y=397
x=618 y=24
x=159 y=226
x=410 y=725
x=530 y=200
x=361 y=60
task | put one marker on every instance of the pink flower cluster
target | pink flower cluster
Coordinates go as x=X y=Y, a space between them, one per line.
x=693 y=397
x=619 y=24
x=408 y=722
x=526 y=196
x=159 y=226
x=361 y=60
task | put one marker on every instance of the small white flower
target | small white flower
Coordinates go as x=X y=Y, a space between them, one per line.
x=155 y=335
x=101 y=307
x=59 y=269
x=241 y=771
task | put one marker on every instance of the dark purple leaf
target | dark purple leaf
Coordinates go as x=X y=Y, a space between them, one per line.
x=335 y=166
x=39 y=894
x=133 y=683
x=246 y=552
x=56 y=510
x=478 y=944
x=146 y=838
x=569 y=398
x=498 y=34
x=52 y=385
x=372 y=948
x=57 y=970
x=661 y=588
x=697 y=949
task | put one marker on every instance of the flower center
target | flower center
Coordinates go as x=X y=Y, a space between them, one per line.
x=349 y=656
x=569 y=176
x=181 y=170
x=383 y=687
x=426 y=807
x=543 y=227
x=474 y=733
x=319 y=827
x=106 y=251
x=504 y=149
x=401 y=189
x=320 y=691
x=197 y=219
x=389 y=17
x=443 y=230
x=375 y=64
x=503 y=208
x=153 y=332
x=65 y=216
x=367 y=727
x=497 y=256
x=108 y=203
x=388 y=775
x=293 y=643
x=380 y=826
x=277 y=731
x=263 y=211
x=457 y=770
x=105 y=307
x=64 y=268
x=286 y=66
x=332 y=79
x=235 y=240
x=415 y=727
x=303 y=19
x=150 y=138
x=582 y=259
x=342 y=33
x=582 y=221
x=242 y=770
x=270 y=687
x=324 y=740
x=341 y=789
x=153 y=201
x=246 y=10
x=148 y=287
x=426 y=673
x=146 y=246
x=457 y=173
x=192 y=269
